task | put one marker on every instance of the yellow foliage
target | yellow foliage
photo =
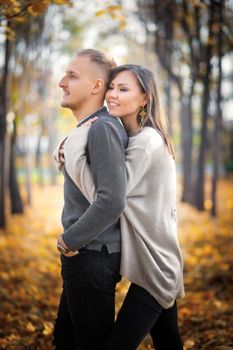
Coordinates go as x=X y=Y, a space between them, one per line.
x=189 y=344
x=9 y=2
x=37 y=8
x=30 y=327
x=109 y=10
x=113 y=8
x=9 y=32
x=100 y=13
x=63 y=2
x=31 y=283
x=208 y=204
x=198 y=3
x=15 y=9
x=211 y=41
x=48 y=328
x=13 y=337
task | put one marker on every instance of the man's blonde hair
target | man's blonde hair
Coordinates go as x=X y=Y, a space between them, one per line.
x=101 y=60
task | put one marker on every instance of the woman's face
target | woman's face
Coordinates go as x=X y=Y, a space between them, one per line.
x=124 y=96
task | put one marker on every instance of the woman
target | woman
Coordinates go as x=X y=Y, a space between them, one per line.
x=150 y=256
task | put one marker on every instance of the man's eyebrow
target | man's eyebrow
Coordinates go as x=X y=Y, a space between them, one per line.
x=71 y=72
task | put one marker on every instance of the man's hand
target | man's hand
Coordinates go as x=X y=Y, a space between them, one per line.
x=69 y=253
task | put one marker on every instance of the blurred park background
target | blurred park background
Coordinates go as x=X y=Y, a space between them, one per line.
x=188 y=45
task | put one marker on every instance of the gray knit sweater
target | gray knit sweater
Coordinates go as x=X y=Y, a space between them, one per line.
x=96 y=224
x=150 y=252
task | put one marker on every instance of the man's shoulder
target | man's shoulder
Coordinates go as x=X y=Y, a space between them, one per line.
x=107 y=119
x=108 y=124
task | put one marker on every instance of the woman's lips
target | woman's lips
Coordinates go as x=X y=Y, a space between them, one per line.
x=113 y=104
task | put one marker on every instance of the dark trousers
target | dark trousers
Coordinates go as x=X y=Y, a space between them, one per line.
x=87 y=306
x=140 y=314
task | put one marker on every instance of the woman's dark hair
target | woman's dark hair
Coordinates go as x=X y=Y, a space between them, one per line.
x=155 y=115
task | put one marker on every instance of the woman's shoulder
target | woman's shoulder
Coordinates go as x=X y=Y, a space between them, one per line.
x=148 y=138
x=151 y=132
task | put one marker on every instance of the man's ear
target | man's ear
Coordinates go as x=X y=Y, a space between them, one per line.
x=98 y=87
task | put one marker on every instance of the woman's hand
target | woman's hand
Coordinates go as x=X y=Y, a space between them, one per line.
x=90 y=121
x=61 y=154
x=59 y=157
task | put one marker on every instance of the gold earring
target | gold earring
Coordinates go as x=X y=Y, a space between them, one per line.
x=142 y=114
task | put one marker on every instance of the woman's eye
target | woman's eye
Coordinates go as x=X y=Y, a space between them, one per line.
x=110 y=88
x=122 y=89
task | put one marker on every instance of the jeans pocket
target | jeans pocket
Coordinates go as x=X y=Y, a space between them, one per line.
x=73 y=268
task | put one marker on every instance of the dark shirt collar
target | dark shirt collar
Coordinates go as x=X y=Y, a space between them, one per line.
x=95 y=114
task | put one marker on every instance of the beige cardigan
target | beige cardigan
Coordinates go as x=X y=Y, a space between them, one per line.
x=150 y=253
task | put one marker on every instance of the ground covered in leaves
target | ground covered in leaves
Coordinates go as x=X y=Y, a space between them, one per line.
x=30 y=281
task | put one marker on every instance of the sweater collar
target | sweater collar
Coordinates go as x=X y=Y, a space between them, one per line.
x=95 y=114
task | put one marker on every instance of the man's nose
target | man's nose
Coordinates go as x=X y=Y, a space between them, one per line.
x=62 y=83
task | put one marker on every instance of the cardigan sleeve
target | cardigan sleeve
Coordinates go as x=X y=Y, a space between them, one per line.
x=77 y=167
x=55 y=155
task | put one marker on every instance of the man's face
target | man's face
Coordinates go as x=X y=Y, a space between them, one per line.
x=77 y=83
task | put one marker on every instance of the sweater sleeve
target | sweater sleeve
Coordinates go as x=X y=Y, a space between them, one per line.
x=107 y=166
x=136 y=163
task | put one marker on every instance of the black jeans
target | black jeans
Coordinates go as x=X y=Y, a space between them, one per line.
x=87 y=306
x=140 y=314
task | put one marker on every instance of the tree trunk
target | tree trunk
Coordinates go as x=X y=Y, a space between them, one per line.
x=52 y=138
x=3 y=113
x=39 y=158
x=27 y=167
x=218 y=118
x=199 y=190
x=163 y=44
x=16 y=200
x=186 y=118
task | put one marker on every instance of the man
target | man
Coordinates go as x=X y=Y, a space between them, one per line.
x=90 y=243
